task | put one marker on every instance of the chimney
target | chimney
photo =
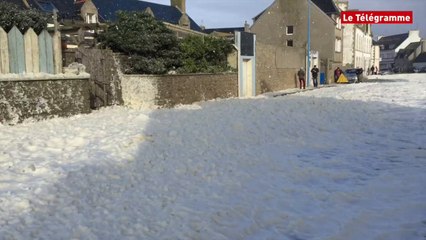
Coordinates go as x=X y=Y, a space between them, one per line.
x=26 y=3
x=415 y=33
x=246 y=27
x=179 y=4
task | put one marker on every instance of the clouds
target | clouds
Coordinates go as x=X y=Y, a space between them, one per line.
x=233 y=13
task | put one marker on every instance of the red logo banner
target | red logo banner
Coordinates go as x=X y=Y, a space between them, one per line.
x=377 y=17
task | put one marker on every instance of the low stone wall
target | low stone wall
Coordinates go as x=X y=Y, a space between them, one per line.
x=42 y=96
x=171 y=90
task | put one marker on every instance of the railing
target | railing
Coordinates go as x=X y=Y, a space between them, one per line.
x=29 y=52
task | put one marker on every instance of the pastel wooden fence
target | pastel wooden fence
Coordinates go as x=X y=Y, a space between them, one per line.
x=29 y=53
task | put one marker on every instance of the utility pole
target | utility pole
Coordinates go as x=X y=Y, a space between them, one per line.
x=308 y=70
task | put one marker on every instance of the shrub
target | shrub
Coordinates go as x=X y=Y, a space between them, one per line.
x=205 y=54
x=11 y=15
x=150 y=47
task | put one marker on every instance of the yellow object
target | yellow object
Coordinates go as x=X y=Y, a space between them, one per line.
x=342 y=79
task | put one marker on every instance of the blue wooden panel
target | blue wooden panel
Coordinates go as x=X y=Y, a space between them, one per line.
x=49 y=54
x=16 y=51
x=46 y=52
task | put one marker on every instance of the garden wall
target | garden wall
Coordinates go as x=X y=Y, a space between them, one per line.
x=171 y=90
x=42 y=96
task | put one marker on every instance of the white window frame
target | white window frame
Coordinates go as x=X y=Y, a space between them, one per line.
x=91 y=18
x=287 y=28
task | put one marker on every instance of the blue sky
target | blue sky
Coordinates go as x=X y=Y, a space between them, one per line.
x=233 y=13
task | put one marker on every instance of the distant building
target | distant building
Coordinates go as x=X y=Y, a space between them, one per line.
x=174 y=15
x=410 y=57
x=357 y=42
x=282 y=38
x=375 y=56
x=391 y=45
x=78 y=12
x=420 y=62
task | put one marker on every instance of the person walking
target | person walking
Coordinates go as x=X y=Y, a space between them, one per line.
x=372 y=70
x=301 y=76
x=315 y=72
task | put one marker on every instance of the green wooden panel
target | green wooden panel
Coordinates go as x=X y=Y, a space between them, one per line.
x=16 y=51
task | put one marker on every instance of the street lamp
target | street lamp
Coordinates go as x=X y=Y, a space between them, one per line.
x=308 y=70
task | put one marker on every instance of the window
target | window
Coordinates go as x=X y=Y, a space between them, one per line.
x=290 y=30
x=338 y=46
x=338 y=23
x=91 y=18
x=289 y=43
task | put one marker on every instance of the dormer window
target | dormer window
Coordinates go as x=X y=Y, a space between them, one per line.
x=46 y=5
x=91 y=18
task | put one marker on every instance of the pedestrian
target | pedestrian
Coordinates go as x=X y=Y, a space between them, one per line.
x=359 y=72
x=315 y=72
x=301 y=76
x=337 y=73
x=372 y=70
x=376 y=71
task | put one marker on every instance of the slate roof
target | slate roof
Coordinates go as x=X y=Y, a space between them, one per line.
x=165 y=13
x=421 y=58
x=107 y=9
x=327 y=6
x=393 y=41
x=407 y=51
x=19 y=3
x=224 y=30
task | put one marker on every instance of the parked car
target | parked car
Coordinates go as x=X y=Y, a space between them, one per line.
x=385 y=72
x=352 y=75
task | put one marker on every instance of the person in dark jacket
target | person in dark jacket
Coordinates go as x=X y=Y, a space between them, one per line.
x=301 y=76
x=315 y=72
x=359 y=72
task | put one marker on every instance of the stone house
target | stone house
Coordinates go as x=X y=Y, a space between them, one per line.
x=174 y=16
x=357 y=42
x=282 y=34
x=92 y=14
x=390 y=46
x=409 y=58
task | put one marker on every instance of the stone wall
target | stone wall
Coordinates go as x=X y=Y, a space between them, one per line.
x=41 y=97
x=171 y=90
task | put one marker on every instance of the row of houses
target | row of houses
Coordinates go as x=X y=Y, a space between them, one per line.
x=280 y=29
x=402 y=52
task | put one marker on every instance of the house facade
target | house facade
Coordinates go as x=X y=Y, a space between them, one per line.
x=390 y=46
x=174 y=16
x=357 y=42
x=407 y=59
x=375 y=56
x=282 y=38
